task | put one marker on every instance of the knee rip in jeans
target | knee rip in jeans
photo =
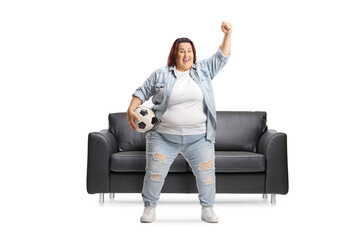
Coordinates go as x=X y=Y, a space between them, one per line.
x=156 y=177
x=206 y=165
x=209 y=181
x=162 y=157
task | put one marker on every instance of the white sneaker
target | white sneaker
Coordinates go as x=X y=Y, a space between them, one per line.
x=208 y=215
x=149 y=215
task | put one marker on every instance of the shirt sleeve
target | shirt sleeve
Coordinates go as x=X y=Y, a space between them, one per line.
x=215 y=63
x=145 y=91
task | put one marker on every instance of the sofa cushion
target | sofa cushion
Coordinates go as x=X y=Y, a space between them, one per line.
x=239 y=131
x=230 y=161
x=226 y=161
x=135 y=161
x=127 y=139
x=236 y=161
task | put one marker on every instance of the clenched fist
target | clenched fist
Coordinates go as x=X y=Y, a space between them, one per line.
x=226 y=27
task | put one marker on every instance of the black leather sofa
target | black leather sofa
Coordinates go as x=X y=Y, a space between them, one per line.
x=249 y=158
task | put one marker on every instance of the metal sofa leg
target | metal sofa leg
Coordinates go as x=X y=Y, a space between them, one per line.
x=101 y=198
x=265 y=196
x=112 y=196
x=273 y=198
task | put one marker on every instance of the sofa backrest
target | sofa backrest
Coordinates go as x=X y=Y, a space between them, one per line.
x=236 y=131
x=239 y=131
x=128 y=139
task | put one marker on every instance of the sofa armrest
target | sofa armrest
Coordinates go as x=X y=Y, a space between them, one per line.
x=273 y=145
x=101 y=145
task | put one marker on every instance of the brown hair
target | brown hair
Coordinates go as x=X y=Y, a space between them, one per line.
x=172 y=56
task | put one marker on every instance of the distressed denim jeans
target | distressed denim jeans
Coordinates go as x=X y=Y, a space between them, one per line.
x=161 y=151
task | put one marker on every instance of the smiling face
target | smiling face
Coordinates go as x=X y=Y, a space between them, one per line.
x=184 y=57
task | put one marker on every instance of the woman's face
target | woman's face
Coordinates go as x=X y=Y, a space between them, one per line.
x=184 y=57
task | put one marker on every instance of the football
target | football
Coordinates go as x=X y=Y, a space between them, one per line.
x=147 y=119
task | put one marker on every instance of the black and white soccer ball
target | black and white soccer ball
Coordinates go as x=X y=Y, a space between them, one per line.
x=147 y=119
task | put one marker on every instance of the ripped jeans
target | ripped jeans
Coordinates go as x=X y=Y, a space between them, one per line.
x=161 y=151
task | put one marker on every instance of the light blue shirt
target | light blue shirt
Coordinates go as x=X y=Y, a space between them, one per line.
x=160 y=83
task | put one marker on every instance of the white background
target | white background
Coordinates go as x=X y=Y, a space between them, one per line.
x=65 y=65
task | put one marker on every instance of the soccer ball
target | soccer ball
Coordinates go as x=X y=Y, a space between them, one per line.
x=147 y=119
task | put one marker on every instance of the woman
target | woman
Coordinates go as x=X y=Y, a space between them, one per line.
x=185 y=107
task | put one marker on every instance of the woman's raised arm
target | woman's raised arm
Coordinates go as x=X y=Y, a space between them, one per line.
x=226 y=44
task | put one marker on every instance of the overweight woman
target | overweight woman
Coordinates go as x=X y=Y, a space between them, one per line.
x=184 y=105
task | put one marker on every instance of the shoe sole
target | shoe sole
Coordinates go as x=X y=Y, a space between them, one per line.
x=209 y=221
x=147 y=221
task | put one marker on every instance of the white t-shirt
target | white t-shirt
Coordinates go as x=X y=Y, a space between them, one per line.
x=185 y=113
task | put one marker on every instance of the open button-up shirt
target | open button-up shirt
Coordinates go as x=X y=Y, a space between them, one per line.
x=160 y=83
